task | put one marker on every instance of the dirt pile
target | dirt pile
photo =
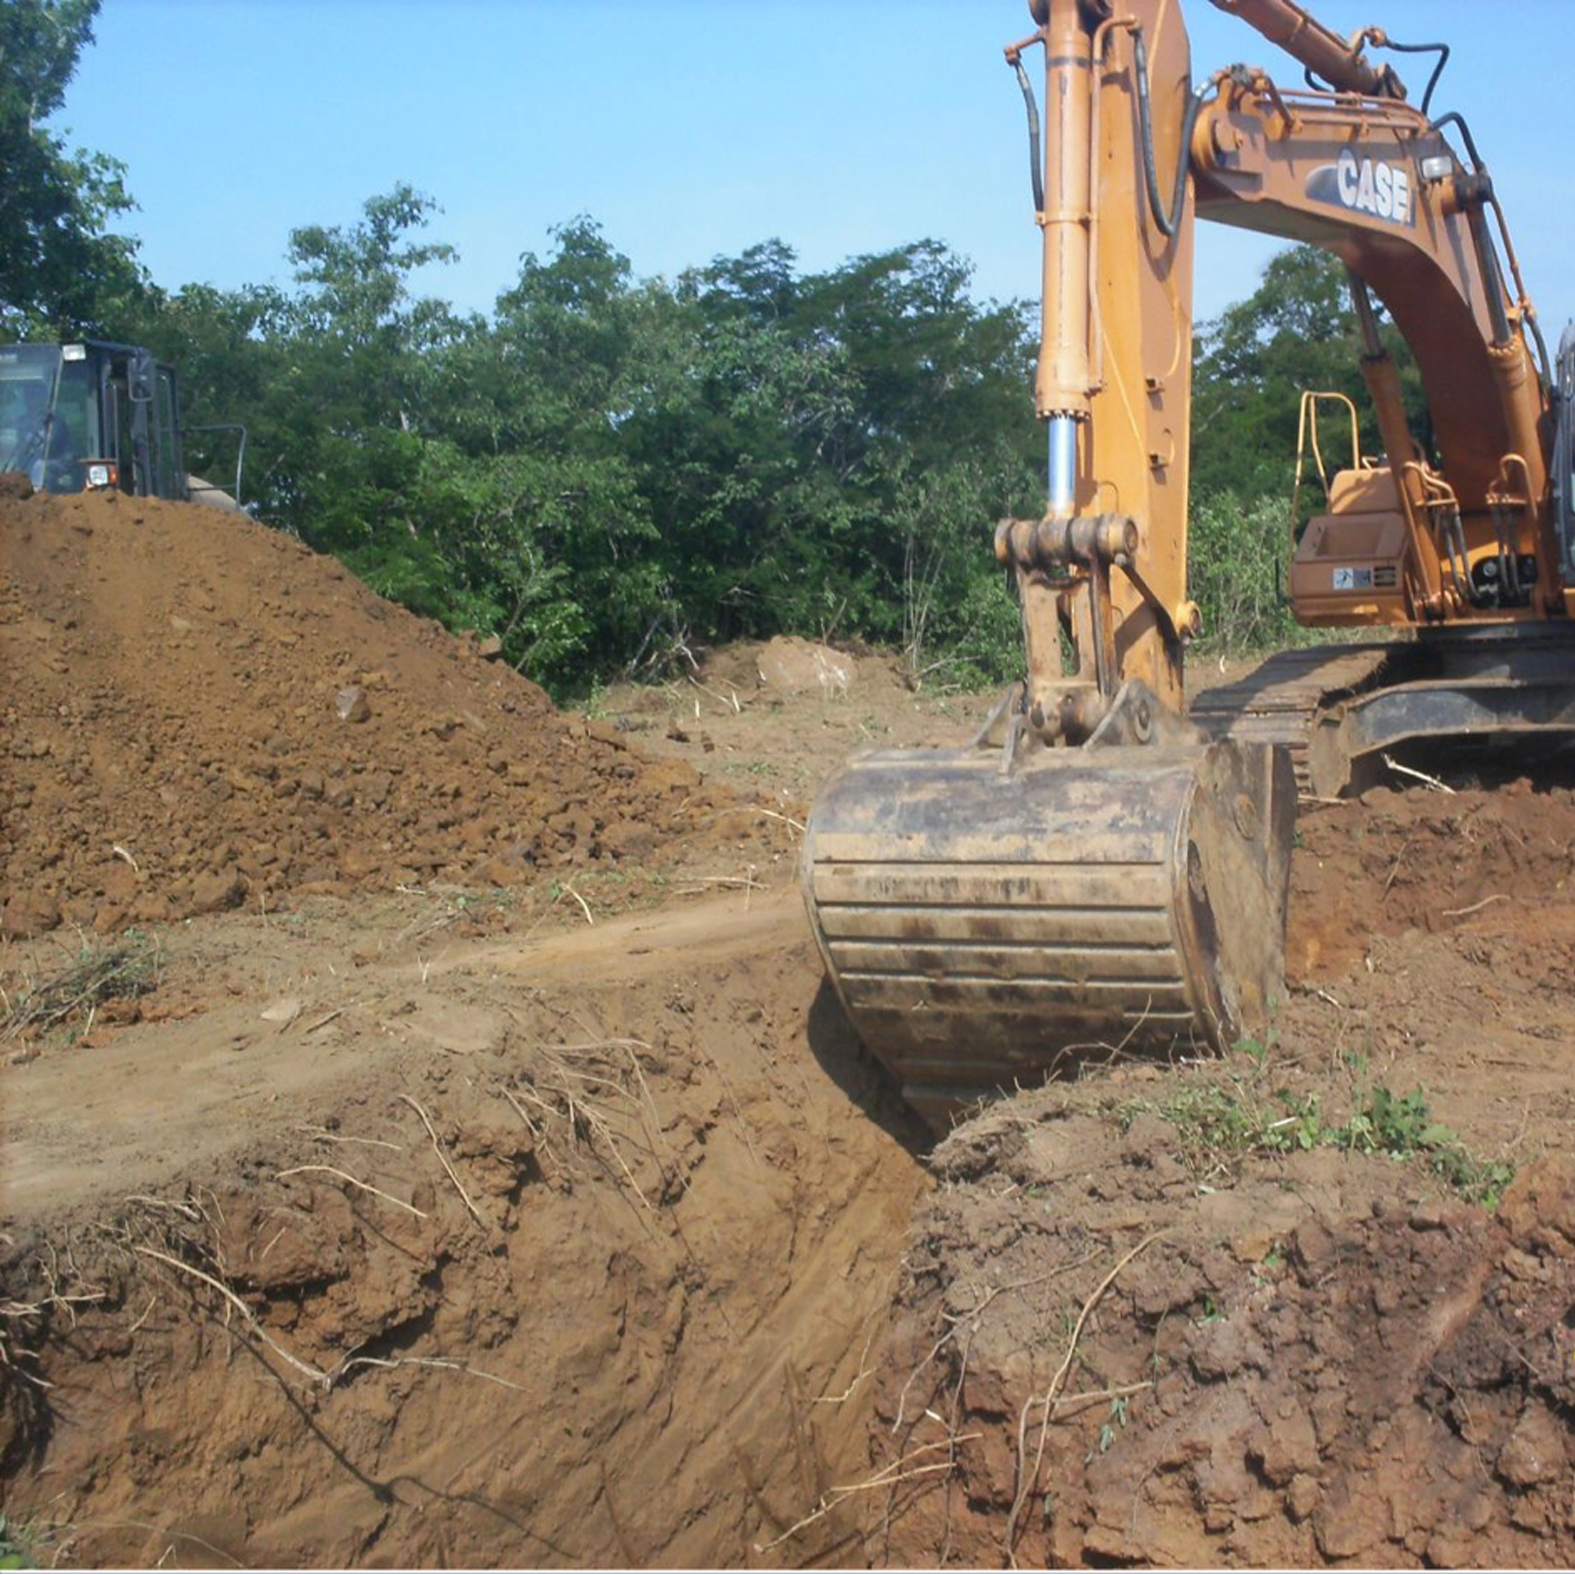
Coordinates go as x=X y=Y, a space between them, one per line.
x=1424 y=860
x=199 y=713
x=1314 y=1364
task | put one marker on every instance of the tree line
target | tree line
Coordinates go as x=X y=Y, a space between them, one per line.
x=607 y=471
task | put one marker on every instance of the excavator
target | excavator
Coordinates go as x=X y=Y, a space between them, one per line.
x=1104 y=872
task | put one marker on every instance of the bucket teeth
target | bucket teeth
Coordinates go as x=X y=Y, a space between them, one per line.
x=987 y=931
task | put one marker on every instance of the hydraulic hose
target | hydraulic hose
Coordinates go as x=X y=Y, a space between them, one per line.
x=1456 y=119
x=1441 y=50
x=1035 y=168
x=1166 y=218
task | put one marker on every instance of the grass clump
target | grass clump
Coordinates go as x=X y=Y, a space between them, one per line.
x=70 y=997
x=1220 y=1123
x=1402 y=1127
x=18 y=1546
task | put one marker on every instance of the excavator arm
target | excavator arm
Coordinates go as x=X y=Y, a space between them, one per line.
x=1132 y=155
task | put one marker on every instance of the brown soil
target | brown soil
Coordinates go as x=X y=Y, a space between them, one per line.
x=611 y=1310
x=1314 y=1364
x=199 y=713
x=613 y=1307
x=1430 y=861
x=1316 y=1356
x=754 y=715
x=414 y=1220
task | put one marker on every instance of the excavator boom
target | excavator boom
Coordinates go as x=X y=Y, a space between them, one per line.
x=1338 y=62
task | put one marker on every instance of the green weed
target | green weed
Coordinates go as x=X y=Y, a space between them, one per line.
x=18 y=1546
x=1402 y=1127
x=1220 y=1124
x=1111 y=1429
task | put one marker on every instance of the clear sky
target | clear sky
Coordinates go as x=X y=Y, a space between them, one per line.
x=692 y=128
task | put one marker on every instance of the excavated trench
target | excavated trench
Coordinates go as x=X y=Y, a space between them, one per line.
x=613 y=1247
x=564 y=1253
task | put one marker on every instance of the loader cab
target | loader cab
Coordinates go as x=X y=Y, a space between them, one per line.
x=91 y=416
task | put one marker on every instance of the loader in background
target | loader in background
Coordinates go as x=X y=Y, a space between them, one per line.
x=94 y=416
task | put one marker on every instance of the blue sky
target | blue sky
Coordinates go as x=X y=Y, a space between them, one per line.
x=691 y=128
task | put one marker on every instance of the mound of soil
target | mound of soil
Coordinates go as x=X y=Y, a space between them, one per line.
x=199 y=713
x=1423 y=860
x=1315 y=1364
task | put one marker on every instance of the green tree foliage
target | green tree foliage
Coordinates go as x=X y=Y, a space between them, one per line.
x=1297 y=330
x=1239 y=549
x=60 y=272
x=605 y=471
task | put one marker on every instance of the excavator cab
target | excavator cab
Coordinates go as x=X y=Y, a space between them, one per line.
x=91 y=416
x=1349 y=558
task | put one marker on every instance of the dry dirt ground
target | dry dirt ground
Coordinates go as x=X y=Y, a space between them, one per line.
x=556 y=1251
x=428 y=1138
x=1202 y=1316
x=411 y=1209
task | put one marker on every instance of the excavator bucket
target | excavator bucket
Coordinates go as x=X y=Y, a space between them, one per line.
x=987 y=928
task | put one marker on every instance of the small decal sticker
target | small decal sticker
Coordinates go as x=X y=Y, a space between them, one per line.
x=1353 y=579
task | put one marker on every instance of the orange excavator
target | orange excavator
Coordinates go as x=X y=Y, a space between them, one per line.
x=1104 y=871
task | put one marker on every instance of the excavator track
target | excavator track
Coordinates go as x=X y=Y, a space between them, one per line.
x=1280 y=701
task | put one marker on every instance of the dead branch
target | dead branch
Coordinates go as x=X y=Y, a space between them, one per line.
x=1025 y=1479
x=971 y=1317
x=858 y=1377
x=323 y=1135
x=1476 y=907
x=888 y=1476
x=184 y=1209
x=316 y=1374
x=797 y=825
x=459 y=1186
x=425 y=1361
x=1420 y=776
x=344 y=1175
